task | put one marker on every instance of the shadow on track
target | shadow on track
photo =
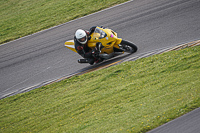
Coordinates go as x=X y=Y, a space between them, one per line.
x=106 y=63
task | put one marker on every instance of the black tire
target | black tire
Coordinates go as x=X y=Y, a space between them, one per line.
x=125 y=43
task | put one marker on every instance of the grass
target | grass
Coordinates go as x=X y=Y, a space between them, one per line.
x=131 y=97
x=19 y=18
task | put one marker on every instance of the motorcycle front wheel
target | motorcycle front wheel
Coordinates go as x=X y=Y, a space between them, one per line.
x=128 y=46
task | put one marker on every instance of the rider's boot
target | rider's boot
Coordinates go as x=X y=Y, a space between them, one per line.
x=90 y=61
x=83 y=61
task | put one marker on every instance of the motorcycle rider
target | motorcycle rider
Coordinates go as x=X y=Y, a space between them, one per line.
x=80 y=41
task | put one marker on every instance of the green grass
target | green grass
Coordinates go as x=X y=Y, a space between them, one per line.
x=19 y=18
x=131 y=97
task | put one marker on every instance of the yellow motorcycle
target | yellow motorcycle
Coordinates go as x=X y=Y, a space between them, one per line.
x=109 y=44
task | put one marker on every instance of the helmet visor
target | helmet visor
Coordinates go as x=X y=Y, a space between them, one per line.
x=82 y=39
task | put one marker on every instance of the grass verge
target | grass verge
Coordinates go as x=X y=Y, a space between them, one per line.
x=19 y=18
x=131 y=97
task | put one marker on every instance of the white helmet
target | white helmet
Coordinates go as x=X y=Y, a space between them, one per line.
x=81 y=36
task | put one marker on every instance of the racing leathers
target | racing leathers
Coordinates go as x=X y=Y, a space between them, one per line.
x=83 y=49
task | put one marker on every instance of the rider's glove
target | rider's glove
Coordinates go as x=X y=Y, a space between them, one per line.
x=80 y=48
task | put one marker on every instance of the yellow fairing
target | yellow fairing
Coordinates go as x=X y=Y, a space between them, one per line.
x=109 y=41
x=70 y=45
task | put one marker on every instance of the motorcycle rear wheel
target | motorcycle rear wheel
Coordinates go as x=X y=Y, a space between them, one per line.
x=128 y=46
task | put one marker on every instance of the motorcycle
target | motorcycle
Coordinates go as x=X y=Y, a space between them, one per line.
x=108 y=44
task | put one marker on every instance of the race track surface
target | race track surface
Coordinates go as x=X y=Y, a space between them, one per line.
x=188 y=123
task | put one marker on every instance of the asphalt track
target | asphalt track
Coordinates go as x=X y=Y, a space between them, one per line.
x=188 y=123
x=150 y=24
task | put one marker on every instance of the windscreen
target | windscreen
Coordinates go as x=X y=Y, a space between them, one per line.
x=99 y=33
